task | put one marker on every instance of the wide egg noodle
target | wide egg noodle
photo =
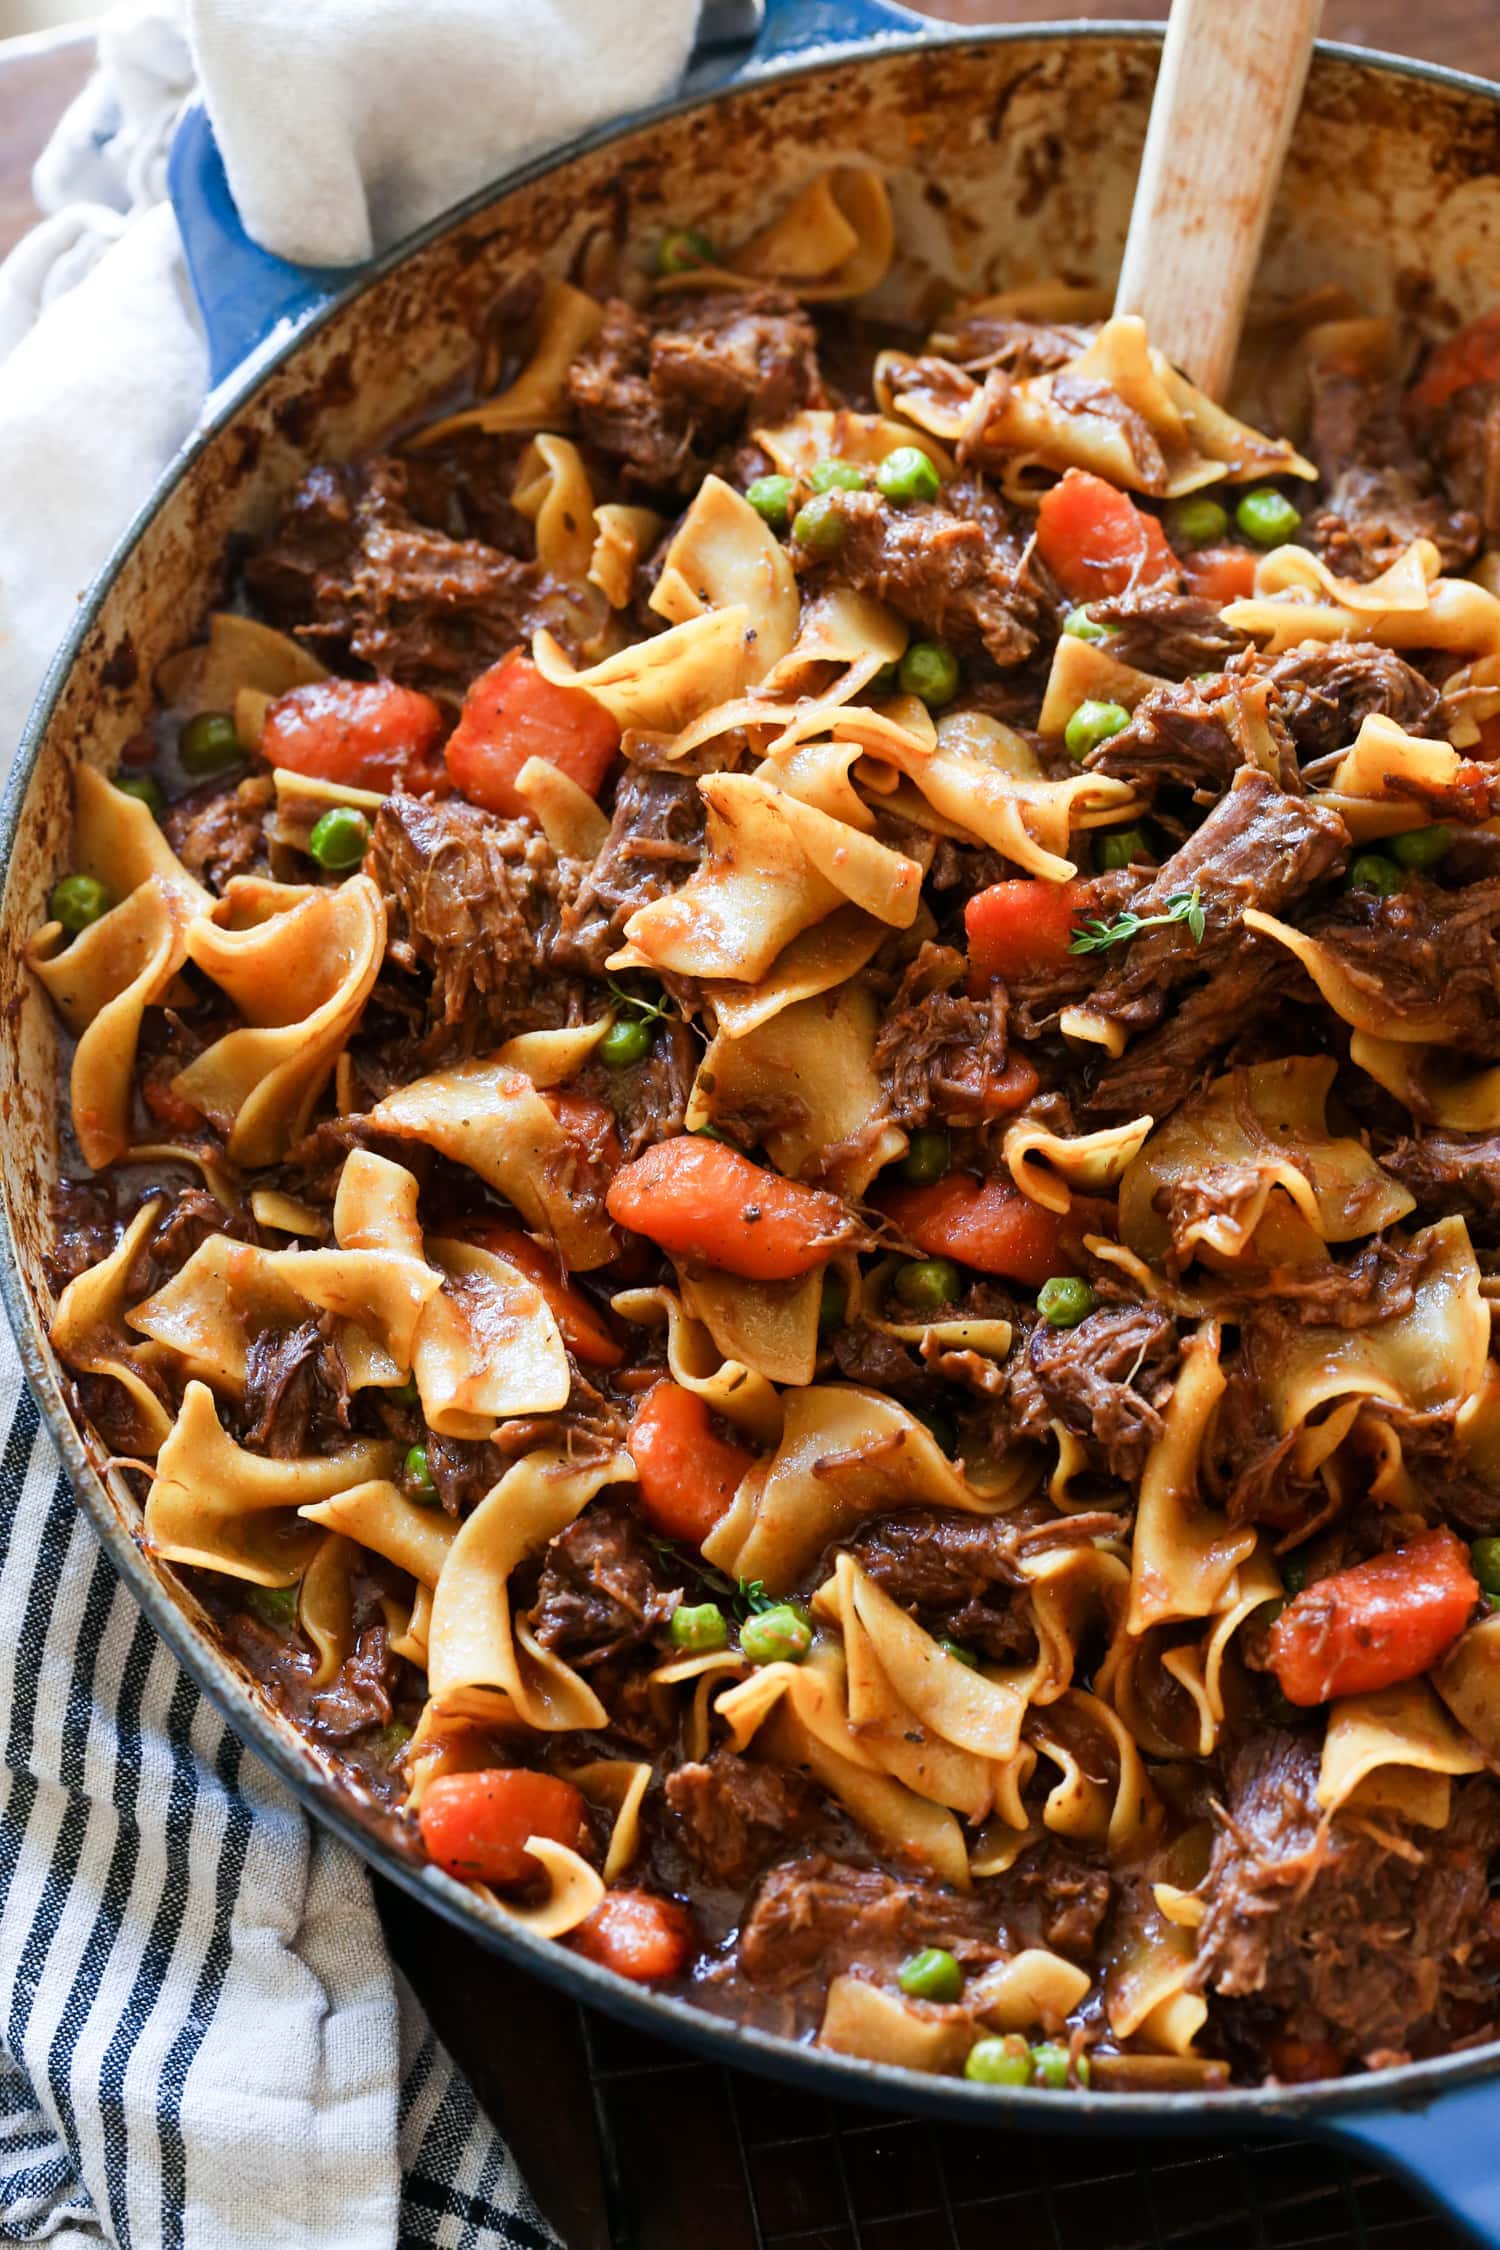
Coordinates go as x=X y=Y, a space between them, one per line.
x=566 y=814
x=864 y=2019
x=325 y=1611
x=1103 y=1798
x=575 y=1889
x=727 y=1386
x=817 y=961
x=835 y=240
x=1298 y=598
x=1034 y=1987
x=705 y=1675
x=623 y=536
x=379 y=1515
x=491 y=1117
x=1394 y=1751
x=896 y=1669
x=1355 y=993
x=538 y=398
x=620 y=1784
x=216 y=1506
x=553 y=493
x=299 y=966
x=891 y=1734
x=240 y=655
x=1184 y=1553
x=88 y=1331
x=1170 y=1692
x=768 y=1326
x=1468 y=1680
x=1145 y=1986
x=988 y=780
x=845 y=1453
x=839 y=434
x=217 y=1303
x=101 y=985
x=813 y=1064
x=487 y=1345
x=665 y=682
x=1385 y=782
x=474 y=1643
x=1048 y=1166
x=723 y=555
x=1430 y=1084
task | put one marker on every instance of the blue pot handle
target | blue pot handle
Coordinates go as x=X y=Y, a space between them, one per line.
x=1445 y=2149
x=247 y=297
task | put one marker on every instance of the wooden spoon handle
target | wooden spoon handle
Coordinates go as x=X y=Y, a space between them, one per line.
x=1232 y=73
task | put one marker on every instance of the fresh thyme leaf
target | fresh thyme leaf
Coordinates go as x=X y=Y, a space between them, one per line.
x=1093 y=936
x=648 y=1010
x=744 y=1597
x=752 y=1592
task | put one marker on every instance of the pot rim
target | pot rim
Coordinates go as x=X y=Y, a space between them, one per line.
x=716 y=2038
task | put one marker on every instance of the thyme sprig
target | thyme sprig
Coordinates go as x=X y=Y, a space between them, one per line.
x=649 y=1011
x=1093 y=936
x=744 y=1597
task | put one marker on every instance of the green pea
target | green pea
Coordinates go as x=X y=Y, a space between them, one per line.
x=1372 y=872
x=407 y=1393
x=1050 y=2063
x=275 y=1606
x=1081 y=627
x=930 y=670
x=999 y=2062
x=836 y=476
x=1294 y=1574
x=1121 y=847
x=77 y=901
x=340 y=838
x=1197 y=522
x=1266 y=516
x=819 y=526
x=908 y=474
x=932 y=1974
x=1065 y=1300
x=776 y=1636
x=1485 y=1557
x=418 y=1474
x=960 y=1654
x=627 y=1041
x=1492 y=1602
x=209 y=744
x=1093 y=723
x=712 y=1133
x=146 y=787
x=388 y=1742
x=1421 y=847
x=927 y=1284
x=771 y=498
x=699 y=1627
x=684 y=251
x=833 y=1302
x=928 y=1157
x=1270 y=1611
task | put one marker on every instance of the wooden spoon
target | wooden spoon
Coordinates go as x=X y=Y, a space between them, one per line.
x=1232 y=73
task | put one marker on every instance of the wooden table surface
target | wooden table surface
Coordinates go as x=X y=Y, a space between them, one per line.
x=627 y=2145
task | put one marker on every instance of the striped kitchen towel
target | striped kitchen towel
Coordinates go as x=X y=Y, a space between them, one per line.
x=203 y=2044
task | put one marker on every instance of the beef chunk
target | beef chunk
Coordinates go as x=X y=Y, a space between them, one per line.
x=979 y=341
x=1258 y=847
x=734 y=1816
x=474 y=898
x=1327 y=689
x=1108 y=1380
x=83 y=1215
x=1160 y=1070
x=1465 y=444
x=1352 y=1942
x=1159 y=630
x=602 y=1590
x=1381 y=493
x=1451 y=1175
x=359 y=1697
x=1037 y=997
x=1422 y=950
x=958 y=568
x=317 y=536
x=939 y=1052
x=958 y=1574
x=813 y=1918
x=1191 y=736
x=662 y=395
x=218 y=833
x=655 y=841
x=296 y=1391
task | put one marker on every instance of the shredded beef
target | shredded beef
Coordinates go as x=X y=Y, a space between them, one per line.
x=602 y=1590
x=1258 y=847
x=1380 y=491
x=1451 y=1175
x=957 y=567
x=1327 y=689
x=655 y=841
x=1160 y=1070
x=661 y=395
x=812 y=1918
x=296 y=1390
x=1192 y=736
x=979 y=341
x=1424 y=951
x=1159 y=630
x=1351 y=1941
x=83 y=1213
x=1108 y=1380
x=938 y=1052
x=1465 y=446
x=474 y=898
x=218 y=833
x=359 y=1697
x=958 y=1574
x=734 y=1816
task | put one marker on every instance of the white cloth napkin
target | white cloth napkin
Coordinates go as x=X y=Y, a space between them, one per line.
x=203 y=2044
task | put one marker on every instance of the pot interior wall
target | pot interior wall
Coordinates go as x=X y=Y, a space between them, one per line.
x=1010 y=160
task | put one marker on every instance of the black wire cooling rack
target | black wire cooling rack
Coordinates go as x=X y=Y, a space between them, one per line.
x=792 y=2172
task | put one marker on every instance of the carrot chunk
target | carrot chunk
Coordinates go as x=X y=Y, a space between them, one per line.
x=510 y=714
x=1219 y=574
x=583 y=1326
x=986 y=1224
x=1376 y=1624
x=1471 y=356
x=475 y=1825
x=369 y=734
x=1019 y=928
x=688 y=1473
x=1095 y=540
x=696 y=1198
x=638 y=1935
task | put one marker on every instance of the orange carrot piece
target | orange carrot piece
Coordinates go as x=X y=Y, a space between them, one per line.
x=369 y=734
x=697 y=1198
x=1375 y=1624
x=688 y=1473
x=1095 y=540
x=638 y=1935
x=475 y=1825
x=986 y=1224
x=512 y=713
x=1470 y=356
x=1020 y=927
x=584 y=1329
x=1219 y=574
